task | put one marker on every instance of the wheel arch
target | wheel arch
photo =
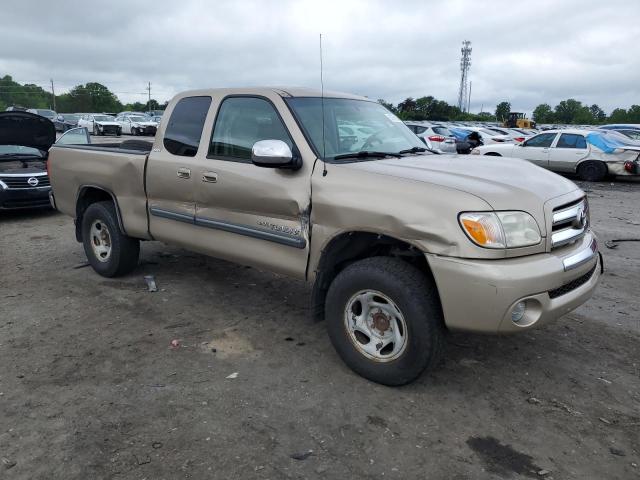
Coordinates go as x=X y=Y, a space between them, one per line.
x=582 y=161
x=493 y=154
x=88 y=195
x=346 y=248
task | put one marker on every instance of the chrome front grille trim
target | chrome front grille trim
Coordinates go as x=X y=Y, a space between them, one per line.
x=569 y=223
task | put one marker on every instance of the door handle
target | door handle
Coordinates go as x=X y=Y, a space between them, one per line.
x=210 y=177
x=184 y=173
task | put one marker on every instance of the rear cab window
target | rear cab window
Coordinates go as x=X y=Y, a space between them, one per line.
x=184 y=129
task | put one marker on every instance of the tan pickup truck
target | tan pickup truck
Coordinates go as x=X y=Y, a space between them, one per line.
x=399 y=243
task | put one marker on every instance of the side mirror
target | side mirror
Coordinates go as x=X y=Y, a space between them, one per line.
x=273 y=154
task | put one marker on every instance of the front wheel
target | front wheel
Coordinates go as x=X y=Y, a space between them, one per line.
x=592 y=171
x=384 y=320
x=96 y=132
x=109 y=251
x=134 y=132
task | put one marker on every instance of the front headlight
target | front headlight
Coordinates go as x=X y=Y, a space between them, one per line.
x=475 y=152
x=500 y=229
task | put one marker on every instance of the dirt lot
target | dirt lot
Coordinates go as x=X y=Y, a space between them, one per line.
x=90 y=388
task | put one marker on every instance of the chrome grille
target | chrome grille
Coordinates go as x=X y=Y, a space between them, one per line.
x=15 y=181
x=570 y=222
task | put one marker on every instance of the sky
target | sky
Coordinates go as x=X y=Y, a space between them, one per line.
x=526 y=53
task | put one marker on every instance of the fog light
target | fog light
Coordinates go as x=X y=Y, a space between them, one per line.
x=518 y=312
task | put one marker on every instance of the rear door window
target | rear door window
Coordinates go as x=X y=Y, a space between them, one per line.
x=571 y=140
x=183 y=132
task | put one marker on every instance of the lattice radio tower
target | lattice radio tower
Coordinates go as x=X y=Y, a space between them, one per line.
x=465 y=63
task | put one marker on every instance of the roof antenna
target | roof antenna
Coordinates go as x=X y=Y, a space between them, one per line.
x=324 y=162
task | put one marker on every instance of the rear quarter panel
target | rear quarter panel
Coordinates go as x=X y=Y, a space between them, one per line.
x=119 y=172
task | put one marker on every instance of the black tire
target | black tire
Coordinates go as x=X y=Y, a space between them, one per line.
x=118 y=132
x=416 y=297
x=493 y=154
x=134 y=132
x=96 y=132
x=125 y=250
x=592 y=171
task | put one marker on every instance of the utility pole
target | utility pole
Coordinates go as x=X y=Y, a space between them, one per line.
x=465 y=63
x=469 y=102
x=53 y=95
x=149 y=102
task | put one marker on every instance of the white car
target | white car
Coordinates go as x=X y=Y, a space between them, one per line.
x=100 y=124
x=436 y=137
x=592 y=154
x=137 y=125
x=489 y=137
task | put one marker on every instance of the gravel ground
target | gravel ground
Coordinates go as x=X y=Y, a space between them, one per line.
x=90 y=388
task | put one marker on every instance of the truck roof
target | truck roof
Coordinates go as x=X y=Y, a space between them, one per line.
x=288 y=92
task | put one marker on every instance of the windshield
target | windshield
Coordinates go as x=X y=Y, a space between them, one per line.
x=138 y=119
x=351 y=126
x=18 y=150
x=103 y=118
x=486 y=131
x=46 y=113
x=73 y=117
x=444 y=131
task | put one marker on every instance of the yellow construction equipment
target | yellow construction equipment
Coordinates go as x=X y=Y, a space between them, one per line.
x=518 y=120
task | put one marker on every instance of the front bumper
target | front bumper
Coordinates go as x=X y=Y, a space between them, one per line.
x=479 y=295
x=14 y=199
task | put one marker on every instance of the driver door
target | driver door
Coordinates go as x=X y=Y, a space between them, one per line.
x=249 y=214
x=536 y=149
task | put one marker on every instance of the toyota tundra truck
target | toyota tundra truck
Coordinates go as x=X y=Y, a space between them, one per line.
x=400 y=244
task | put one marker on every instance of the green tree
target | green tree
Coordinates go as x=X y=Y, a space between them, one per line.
x=407 y=109
x=28 y=95
x=567 y=110
x=619 y=115
x=598 y=114
x=385 y=104
x=584 y=117
x=543 y=114
x=502 y=111
x=633 y=114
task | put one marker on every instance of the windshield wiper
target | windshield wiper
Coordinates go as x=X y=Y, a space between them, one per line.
x=366 y=154
x=418 y=150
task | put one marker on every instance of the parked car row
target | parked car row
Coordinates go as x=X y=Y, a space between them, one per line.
x=143 y=123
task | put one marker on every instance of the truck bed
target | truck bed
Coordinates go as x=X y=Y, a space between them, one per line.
x=116 y=168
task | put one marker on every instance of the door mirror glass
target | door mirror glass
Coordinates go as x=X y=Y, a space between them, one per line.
x=272 y=153
x=75 y=136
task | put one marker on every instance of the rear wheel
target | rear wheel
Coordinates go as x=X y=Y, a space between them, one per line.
x=592 y=171
x=384 y=320
x=109 y=251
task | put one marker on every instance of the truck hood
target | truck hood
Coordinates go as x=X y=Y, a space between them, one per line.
x=504 y=183
x=27 y=130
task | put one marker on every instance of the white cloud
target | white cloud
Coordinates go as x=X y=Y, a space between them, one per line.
x=526 y=53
